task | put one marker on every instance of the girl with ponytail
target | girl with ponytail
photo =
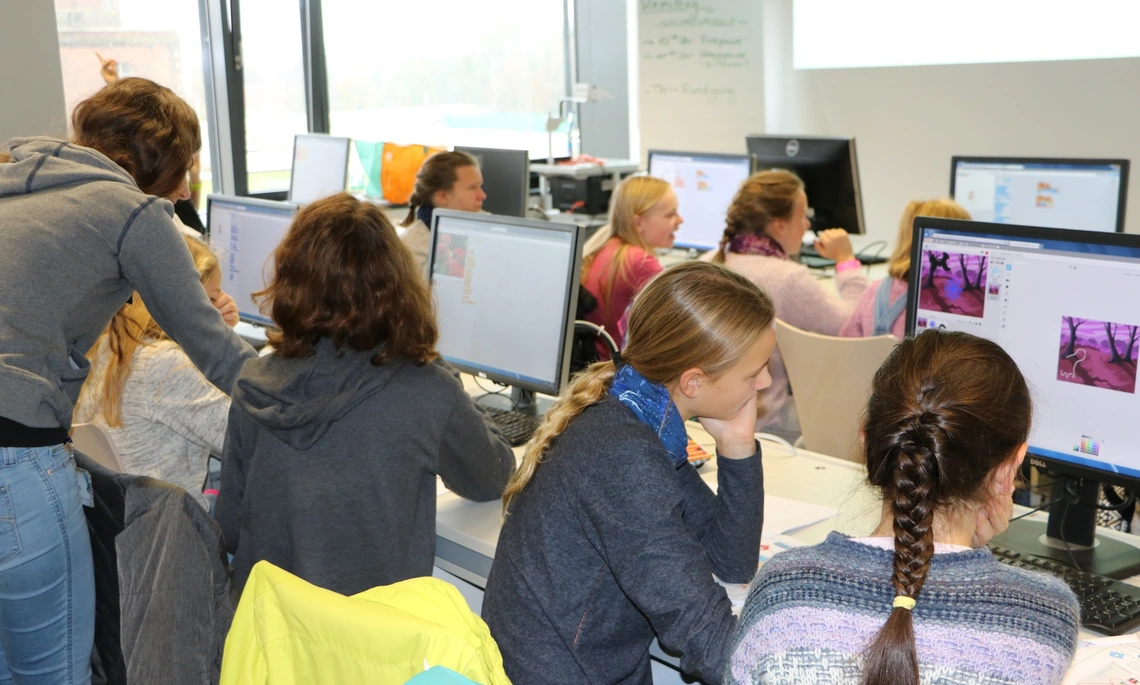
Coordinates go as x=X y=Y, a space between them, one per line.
x=447 y=180
x=764 y=231
x=611 y=538
x=944 y=434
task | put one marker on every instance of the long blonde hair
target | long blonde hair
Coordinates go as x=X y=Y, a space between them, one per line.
x=764 y=196
x=692 y=315
x=132 y=327
x=633 y=197
x=943 y=207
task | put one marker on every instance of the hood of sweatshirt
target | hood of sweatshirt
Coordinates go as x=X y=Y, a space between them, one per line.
x=41 y=163
x=298 y=399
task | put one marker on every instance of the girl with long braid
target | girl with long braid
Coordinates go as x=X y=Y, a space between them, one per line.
x=945 y=431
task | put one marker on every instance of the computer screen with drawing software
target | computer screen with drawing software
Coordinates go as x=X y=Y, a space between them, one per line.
x=506 y=290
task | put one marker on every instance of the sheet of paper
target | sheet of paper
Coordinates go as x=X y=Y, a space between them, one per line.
x=1106 y=661
x=783 y=515
x=770 y=545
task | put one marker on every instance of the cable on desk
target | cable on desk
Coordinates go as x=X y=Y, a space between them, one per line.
x=779 y=441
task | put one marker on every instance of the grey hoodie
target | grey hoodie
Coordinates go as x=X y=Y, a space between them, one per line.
x=77 y=236
x=330 y=463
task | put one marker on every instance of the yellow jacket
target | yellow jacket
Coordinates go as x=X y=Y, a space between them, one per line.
x=288 y=631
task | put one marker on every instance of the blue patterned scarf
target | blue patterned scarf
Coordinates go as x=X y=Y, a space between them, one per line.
x=423 y=213
x=653 y=405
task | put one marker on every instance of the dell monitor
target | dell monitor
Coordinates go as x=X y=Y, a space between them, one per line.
x=1063 y=304
x=320 y=167
x=705 y=184
x=506 y=179
x=506 y=291
x=829 y=169
x=1085 y=194
x=244 y=233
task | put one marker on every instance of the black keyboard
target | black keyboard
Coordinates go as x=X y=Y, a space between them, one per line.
x=517 y=427
x=1107 y=605
x=811 y=258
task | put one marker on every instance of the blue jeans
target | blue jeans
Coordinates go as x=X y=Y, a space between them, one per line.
x=47 y=582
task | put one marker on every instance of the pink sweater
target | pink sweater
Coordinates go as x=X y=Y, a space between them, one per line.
x=862 y=321
x=804 y=302
x=638 y=267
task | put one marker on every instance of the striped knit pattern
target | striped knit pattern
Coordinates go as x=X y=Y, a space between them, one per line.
x=813 y=611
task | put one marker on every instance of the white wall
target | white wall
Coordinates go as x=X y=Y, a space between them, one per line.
x=33 y=79
x=909 y=121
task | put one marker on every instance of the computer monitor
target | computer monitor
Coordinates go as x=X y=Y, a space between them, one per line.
x=320 y=167
x=244 y=233
x=506 y=290
x=506 y=179
x=829 y=169
x=1063 y=304
x=705 y=184
x=1085 y=194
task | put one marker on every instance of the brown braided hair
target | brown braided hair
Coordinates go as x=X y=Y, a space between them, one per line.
x=946 y=409
x=764 y=196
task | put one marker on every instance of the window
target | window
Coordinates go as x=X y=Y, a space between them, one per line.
x=486 y=76
x=161 y=43
x=274 y=90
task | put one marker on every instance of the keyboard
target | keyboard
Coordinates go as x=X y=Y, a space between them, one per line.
x=1107 y=605
x=517 y=427
x=811 y=258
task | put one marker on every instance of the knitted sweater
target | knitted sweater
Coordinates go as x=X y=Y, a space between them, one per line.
x=813 y=611
x=636 y=269
x=172 y=418
x=804 y=302
x=417 y=238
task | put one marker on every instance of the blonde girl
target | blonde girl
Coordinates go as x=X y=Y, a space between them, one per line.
x=611 y=538
x=882 y=308
x=162 y=415
x=618 y=260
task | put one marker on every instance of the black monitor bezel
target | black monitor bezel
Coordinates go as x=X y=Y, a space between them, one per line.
x=1122 y=195
x=523 y=190
x=252 y=201
x=566 y=335
x=293 y=161
x=1028 y=233
x=750 y=158
x=853 y=162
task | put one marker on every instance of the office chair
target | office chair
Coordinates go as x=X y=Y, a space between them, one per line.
x=831 y=382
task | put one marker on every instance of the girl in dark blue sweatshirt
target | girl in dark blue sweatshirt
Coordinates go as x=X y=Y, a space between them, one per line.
x=611 y=538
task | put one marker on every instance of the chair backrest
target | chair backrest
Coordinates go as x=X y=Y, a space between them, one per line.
x=92 y=440
x=831 y=382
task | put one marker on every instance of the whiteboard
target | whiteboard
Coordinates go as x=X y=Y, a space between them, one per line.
x=701 y=74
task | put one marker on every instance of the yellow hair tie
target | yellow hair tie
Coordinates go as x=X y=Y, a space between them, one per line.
x=904 y=602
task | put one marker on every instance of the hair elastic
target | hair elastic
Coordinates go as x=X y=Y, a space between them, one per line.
x=904 y=602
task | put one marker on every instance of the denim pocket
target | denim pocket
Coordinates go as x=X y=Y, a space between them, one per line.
x=83 y=482
x=9 y=536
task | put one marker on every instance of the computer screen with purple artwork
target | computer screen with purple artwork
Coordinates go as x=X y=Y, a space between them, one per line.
x=1066 y=306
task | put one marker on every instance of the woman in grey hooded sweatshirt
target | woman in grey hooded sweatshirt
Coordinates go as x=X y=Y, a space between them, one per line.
x=85 y=223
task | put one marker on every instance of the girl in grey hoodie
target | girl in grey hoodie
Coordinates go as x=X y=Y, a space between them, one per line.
x=335 y=440
x=85 y=223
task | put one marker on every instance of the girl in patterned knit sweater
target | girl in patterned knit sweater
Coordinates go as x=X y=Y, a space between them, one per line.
x=921 y=600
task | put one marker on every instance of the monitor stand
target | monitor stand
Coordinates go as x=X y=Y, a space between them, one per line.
x=524 y=401
x=1075 y=521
